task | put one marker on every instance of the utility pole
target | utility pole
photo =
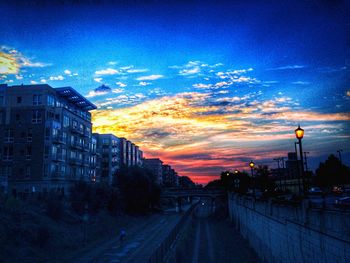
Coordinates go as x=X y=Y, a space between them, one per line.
x=278 y=169
x=284 y=172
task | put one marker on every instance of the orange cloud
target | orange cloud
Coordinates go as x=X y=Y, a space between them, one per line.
x=191 y=131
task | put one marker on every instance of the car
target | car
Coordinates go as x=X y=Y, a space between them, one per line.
x=337 y=190
x=343 y=202
x=315 y=191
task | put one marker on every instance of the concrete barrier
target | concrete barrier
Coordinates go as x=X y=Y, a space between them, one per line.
x=160 y=253
x=281 y=233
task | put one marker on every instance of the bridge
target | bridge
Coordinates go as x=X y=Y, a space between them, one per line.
x=179 y=193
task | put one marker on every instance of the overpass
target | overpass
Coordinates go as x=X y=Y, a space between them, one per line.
x=179 y=193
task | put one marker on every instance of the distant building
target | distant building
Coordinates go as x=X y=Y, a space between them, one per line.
x=109 y=162
x=155 y=165
x=45 y=137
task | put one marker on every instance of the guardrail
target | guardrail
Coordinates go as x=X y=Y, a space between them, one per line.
x=164 y=247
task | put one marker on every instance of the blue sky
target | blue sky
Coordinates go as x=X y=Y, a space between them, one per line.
x=285 y=58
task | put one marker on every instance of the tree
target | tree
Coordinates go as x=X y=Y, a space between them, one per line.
x=332 y=172
x=262 y=177
x=186 y=182
x=139 y=189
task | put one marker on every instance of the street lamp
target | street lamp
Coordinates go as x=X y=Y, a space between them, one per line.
x=236 y=172
x=251 y=164
x=299 y=134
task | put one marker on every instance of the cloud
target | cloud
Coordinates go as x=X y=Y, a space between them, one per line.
x=99 y=80
x=67 y=72
x=150 y=77
x=118 y=90
x=121 y=84
x=43 y=81
x=190 y=71
x=59 y=77
x=288 y=67
x=112 y=63
x=213 y=131
x=33 y=82
x=136 y=70
x=8 y=64
x=301 y=82
x=144 y=83
x=108 y=71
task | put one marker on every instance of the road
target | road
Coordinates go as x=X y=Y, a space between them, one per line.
x=140 y=242
x=210 y=239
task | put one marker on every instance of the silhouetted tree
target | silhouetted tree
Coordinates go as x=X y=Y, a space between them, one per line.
x=139 y=189
x=332 y=172
x=262 y=177
x=186 y=182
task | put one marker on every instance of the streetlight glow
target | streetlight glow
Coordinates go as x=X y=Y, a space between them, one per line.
x=299 y=133
x=236 y=171
x=251 y=164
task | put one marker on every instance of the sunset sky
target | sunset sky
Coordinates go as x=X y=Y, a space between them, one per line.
x=204 y=86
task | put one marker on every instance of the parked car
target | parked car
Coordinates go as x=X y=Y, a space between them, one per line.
x=315 y=191
x=337 y=190
x=343 y=202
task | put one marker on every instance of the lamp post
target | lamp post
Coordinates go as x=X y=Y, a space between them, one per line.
x=251 y=164
x=299 y=134
x=236 y=171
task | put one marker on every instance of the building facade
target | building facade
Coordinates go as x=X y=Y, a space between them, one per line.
x=108 y=157
x=156 y=166
x=45 y=138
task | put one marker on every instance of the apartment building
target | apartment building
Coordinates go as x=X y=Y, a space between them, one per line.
x=45 y=138
x=109 y=152
x=155 y=165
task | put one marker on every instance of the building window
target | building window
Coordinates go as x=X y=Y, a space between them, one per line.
x=28 y=171
x=46 y=151
x=64 y=137
x=50 y=101
x=8 y=135
x=19 y=100
x=29 y=152
x=36 y=99
x=46 y=170
x=36 y=117
x=65 y=121
x=8 y=153
x=30 y=135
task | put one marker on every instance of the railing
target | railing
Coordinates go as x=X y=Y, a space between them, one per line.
x=164 y=247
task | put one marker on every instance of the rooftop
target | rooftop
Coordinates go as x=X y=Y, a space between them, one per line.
x=74 y=97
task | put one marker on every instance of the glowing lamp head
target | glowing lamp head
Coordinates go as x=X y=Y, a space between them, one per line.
x=299 y=133
x=236 y=171
x=251 y=164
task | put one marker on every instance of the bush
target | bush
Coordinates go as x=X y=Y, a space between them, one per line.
x=43 y=235
x=54 y=206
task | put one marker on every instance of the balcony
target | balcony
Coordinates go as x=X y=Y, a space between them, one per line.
x=87 y=134
x=78 y=130
x=58 y=139
x=75 y=161
x=57 y=158
x=7 y=158
x=77 y=145
x=8 y=139
x=86 y=147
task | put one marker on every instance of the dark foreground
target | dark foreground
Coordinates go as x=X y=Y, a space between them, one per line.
x=208 y=238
